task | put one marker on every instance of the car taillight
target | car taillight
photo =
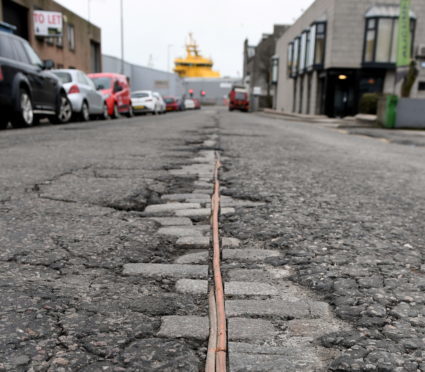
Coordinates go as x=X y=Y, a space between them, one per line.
x=74 y=89
x=1 y=74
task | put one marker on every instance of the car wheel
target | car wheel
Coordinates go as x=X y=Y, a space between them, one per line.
x=4 y=123
x=64 y=112
x=116 y=113
x=24 y=117
x=85 y=113
x=130 y=112
x=105 y=113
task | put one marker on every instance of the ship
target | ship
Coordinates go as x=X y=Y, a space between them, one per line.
x=194 y=65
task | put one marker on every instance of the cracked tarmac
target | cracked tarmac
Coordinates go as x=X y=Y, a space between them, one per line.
x=326 y=229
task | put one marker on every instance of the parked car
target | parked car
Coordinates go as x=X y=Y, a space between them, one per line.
x=172 y=104
x=239 y=99
x=144 y=102
x=161 y=103
x=189 y=104
x=115 y=90
x=85 y=100
x=180 y=104
x=28 y=90
x=197 y=103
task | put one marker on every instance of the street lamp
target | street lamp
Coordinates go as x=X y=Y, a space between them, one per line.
x=122 y=37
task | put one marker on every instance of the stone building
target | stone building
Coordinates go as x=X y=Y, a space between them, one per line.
x=257 y=71
x=78 y=47
x=340 y=49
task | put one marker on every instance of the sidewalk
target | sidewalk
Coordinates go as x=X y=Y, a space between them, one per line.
x=361 y=125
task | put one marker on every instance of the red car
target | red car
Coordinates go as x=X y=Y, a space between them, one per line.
x=115 y=90
x=238 y=100
x=172 y=104
x=197 y=103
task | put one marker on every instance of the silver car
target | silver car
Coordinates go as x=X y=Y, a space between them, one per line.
x=85 y=100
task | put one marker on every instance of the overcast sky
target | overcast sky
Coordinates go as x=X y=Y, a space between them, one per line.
x=219 y=26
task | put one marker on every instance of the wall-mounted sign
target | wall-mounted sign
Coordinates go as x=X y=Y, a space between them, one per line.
x=257 y=91
x=47 y=24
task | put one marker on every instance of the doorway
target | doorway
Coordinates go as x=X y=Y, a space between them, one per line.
x=17 y=16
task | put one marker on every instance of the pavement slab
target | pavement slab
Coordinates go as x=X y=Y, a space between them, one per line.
x=186 y=197
x=166 y=270
x=178 y=231
x=231 y=288
x=202 y=212
x=204 y=242
x=173 y=221
x=155 y=209
x=198 y=328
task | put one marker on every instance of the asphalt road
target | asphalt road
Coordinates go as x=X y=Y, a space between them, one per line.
x=343 y=211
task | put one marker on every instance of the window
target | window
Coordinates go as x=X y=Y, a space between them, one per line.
x=71 y=37
x=303 y=46
x=33 y=57
x=20 y=54
x=80 y=78
x=380 y=43
x=310 y=47
x=59 y=42
x=275 y=69
x=421 y=86
x=290 y=58
x=320 y=43
x=6 y=50
x=295 y=59
x=370 y=40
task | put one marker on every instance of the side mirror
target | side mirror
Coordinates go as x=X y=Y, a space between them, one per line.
x=48 y=64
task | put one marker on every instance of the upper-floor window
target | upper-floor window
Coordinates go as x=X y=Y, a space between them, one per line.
x=380 y=41
x=275 y=69
x=303 y=46
x=296 y=57
x=71 y=36
x=290 y=58
x=319 y=43
x=307 y=52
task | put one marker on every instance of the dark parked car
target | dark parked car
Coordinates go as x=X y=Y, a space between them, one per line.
x=28 y=91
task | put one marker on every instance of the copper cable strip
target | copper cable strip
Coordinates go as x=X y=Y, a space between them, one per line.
x=221 y=351
x=212 y=341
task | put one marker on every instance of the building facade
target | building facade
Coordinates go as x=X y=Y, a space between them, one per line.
x=78 y=47
x=257 y=68
x=339 y=50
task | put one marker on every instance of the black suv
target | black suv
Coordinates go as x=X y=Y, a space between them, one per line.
x=28 y=91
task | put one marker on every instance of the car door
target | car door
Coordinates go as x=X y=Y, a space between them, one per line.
x=96 y=99
x=23 y=65
x=45 y=86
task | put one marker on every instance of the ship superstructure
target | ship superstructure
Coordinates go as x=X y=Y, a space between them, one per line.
x=194 y=65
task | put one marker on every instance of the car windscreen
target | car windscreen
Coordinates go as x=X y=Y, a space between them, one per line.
x=169 y=100
x=140 y=95
x=64 y=77
x=102 y=82
x=240 y=96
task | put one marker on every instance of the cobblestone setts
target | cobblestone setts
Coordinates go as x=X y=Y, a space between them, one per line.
x=352 y=239
x=263 y=307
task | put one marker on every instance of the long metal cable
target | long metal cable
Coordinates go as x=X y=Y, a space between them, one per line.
x=220 y=335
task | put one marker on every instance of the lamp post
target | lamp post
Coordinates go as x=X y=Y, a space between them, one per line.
x=122 y=36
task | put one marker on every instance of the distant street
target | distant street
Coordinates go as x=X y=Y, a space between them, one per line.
x=105 y=236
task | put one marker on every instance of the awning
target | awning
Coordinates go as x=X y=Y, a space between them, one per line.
x=386 y=11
